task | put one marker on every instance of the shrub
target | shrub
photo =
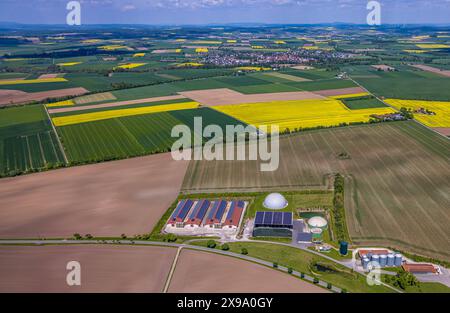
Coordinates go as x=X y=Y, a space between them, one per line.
x=302 y=275
x=275 y=264
x=316 y=280
x=89 y=236
x=290 y=270
x=77 y=236
x=171 y=238
x=211 y=244
x=244 y=251
x=329 y=286
x=225 y=247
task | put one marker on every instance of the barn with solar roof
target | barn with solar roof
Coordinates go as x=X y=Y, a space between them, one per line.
x=273 y=224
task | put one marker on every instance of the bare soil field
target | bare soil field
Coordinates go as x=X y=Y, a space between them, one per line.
x=107 y=199
x=398 y=180
x=114 y=104
x=302 y=67
x=103 y=268
x=212 y=273
x=340 y=92
x=443 y=130
x=383 y=67
x=46 y=76
x=15 y=97
x=432 y=70
x=225 y=96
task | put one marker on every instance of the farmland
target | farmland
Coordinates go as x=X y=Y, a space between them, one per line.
x=27 y=141
x=133 y=135
x=407 y=216
x=302 y=114
x=441 y=110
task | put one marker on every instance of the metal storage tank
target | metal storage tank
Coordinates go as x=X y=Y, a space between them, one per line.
x=343 y=248
x=398 y=259
x=376 y=258
x=383 y=260
x=365 y=261
x=390 y=260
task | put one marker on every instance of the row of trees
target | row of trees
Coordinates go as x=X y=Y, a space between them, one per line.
x=340 y=227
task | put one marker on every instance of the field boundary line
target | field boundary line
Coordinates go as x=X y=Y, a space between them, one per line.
x=57 y=135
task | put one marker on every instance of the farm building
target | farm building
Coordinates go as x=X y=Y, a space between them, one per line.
x=273 y=224
x=216 y=213
x=419 y=268
x=198 y=213
x=234 y=214
x=203 y=217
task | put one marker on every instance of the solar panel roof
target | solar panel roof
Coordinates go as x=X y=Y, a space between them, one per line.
x=273 y=218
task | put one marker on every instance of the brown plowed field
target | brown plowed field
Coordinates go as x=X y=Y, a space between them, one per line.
x=225 y=96
x=432 y=70
x=103 y=268
x=201 y=272
x=15 y=97
x=107 y=199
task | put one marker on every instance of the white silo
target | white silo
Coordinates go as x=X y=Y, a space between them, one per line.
x=383 y=260
x=376 y=258
x=390 y=259
x=365 y=261
x=398 y=259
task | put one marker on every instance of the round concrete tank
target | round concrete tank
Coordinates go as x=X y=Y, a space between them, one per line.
x=383 y=260
x=390 y=260
x=398 y=259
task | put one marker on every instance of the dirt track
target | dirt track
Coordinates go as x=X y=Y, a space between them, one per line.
x=225 y=96
x=103 y=268
x=15 y=96
x=106 y=199
x=207 y=272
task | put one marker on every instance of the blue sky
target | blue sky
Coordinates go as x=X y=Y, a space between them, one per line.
x=224 y=11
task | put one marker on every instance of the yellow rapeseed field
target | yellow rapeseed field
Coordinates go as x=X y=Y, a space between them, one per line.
x=441 y=108
x=299 y=113
x=257 y=47
x=60 y=104
x=112 y=47
x=68 y=63
x=103 y=115
x=280 y=42
x=207 y=42
x=137 y=55
x=33 y=81
x=189 y=64
x=130 y=65
x=353 y=95
x=252 y=68
x=415 y=51
x=432 y=46
x=201 y=50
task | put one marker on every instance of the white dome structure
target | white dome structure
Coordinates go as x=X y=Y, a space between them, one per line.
x=275 y=201
x=317 y=222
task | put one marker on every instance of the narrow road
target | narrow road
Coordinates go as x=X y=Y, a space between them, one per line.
x=172 y=270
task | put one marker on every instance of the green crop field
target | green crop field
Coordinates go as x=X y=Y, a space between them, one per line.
x=131 y=136
x=397 y=178
x=27 y=141
x=363 y=103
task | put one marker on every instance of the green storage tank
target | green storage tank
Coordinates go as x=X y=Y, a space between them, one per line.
x=343 y=247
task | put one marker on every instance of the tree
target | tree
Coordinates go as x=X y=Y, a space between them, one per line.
x=77 y=236
x=123 y=236
x=225 y=247
x=211 y=244
x=244 y=251
x=329 y=286
x=316 y=280
x=275 y=264
x=302 y=275
x=89 y=236
x=290 y=270
x=171 y=238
